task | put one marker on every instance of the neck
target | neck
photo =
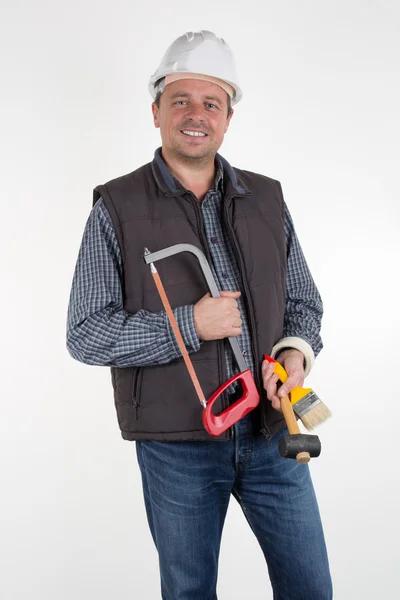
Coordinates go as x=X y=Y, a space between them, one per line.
x=196 y=175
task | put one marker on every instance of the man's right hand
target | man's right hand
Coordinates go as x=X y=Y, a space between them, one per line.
x=217 y=318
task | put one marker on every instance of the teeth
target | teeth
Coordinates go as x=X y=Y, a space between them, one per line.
x=194 y=133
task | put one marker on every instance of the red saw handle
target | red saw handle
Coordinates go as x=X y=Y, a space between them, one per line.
x=217 y=424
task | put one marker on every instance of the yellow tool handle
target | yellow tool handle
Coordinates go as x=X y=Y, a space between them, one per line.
x=286 y=404
x=297 y=392
x=280 y=371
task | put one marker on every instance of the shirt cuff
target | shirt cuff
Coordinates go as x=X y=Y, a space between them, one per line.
x=184 y=316
x=298 y=344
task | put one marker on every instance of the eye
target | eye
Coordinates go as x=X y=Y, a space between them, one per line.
x=180 y=102
x=210 y=105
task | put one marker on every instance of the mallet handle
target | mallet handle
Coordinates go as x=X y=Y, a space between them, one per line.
x=289 y=416
x=287 y=409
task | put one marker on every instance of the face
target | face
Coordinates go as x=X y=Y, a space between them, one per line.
x=192 y=118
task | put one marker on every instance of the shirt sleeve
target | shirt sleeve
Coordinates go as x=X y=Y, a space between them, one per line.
x=303 y=308
x=99 y=330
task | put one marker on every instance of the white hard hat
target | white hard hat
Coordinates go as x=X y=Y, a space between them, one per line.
x=201 y=53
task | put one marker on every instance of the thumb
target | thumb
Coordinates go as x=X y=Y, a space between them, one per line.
x=291 y=382
x=229 y=294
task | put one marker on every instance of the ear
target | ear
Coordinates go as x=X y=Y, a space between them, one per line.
x=155 y=112
x=228 y=120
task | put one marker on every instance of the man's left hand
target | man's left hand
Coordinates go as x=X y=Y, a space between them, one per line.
x=293 y=363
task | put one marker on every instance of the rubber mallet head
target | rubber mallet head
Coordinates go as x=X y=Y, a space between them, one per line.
x=299 y=446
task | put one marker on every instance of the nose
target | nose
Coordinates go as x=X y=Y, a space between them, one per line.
x=196 y=112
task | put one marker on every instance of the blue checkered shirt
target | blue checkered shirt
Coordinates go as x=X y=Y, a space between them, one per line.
x=101 y=332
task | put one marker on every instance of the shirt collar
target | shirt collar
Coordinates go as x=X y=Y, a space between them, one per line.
x=174 y=184
x=225 y=177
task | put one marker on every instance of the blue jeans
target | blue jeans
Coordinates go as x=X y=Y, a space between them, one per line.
x=187 y=487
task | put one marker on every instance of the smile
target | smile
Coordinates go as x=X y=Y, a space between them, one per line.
x=193 y=133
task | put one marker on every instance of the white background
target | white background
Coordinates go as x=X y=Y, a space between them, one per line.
x=320 y=113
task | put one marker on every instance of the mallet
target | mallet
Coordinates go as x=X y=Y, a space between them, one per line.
x=295 y=445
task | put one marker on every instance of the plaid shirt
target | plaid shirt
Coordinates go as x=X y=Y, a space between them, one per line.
x=101 y=332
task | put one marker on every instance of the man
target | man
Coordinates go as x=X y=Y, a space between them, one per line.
x=191 y=194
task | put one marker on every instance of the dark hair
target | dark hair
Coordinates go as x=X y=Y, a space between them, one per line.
x=158 y=96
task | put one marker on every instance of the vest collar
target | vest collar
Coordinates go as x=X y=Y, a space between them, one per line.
x=164 y=179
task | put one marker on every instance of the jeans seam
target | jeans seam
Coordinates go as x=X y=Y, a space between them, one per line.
x=245 y=512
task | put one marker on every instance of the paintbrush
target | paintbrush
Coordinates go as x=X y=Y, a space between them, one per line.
x=306 y=404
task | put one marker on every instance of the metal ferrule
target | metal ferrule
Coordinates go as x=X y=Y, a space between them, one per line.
x=303 y=406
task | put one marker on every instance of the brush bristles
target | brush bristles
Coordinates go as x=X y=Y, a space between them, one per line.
x=316 y=416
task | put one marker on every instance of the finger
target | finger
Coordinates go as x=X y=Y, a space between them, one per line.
x=229 y=294
x=270 y=386
x=235 y=331
x=295 y=379
x=267 y=369
x=230 y=306
x=276 y=404
x=231 y=303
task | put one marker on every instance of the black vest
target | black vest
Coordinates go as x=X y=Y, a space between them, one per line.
x=159 y=402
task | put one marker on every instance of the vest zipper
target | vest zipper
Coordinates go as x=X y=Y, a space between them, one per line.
x=135 y=398
x=265 y=429
x=221 y=358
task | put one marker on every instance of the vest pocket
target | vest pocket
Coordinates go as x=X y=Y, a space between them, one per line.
x=136 y=391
